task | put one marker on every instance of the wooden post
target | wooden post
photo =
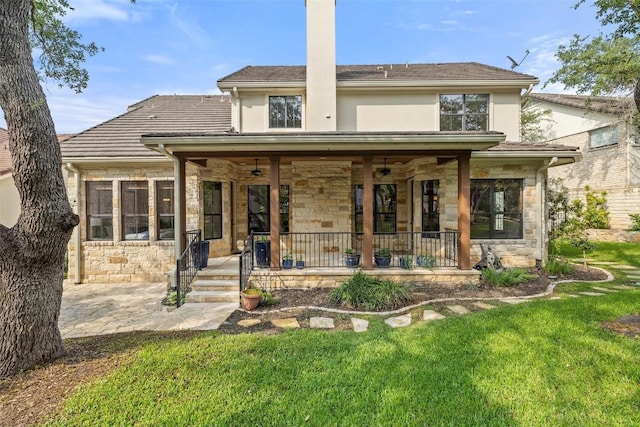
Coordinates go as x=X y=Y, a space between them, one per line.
x=464 y=211
x=274 y=211
x=367 y=213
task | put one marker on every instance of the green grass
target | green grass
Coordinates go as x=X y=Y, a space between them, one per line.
x=544 y=363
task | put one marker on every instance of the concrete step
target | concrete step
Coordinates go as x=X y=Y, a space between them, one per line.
x=217 y=275
x=215 y=285
x=213 y=296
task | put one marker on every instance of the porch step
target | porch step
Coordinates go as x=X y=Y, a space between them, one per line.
x=215 y=285
x=213 y=296
x=217 y=275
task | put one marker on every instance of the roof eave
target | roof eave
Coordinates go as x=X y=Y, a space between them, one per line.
x=564 y=156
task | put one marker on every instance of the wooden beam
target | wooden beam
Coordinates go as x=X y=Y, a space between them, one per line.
x=464 y=211
x=367 y=214
x=274 y=211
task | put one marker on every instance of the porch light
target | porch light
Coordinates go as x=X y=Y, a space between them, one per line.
x=385 y=171
x=256 y=171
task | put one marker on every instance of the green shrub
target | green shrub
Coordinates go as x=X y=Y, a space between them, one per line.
x=370 y=293
x=558 y=266
x=596 y=214
x=635 y=222
x=506 y=277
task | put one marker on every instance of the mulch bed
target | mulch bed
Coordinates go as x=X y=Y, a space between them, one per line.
x=294 y=303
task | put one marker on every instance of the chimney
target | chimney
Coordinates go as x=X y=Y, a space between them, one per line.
x=321 y=66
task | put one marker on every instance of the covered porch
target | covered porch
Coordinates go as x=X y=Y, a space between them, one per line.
x=323 y=225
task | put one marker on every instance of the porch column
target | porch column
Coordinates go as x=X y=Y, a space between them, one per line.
x=274 y=211
x=367 y=213
x=464 y=212
x=179 y=206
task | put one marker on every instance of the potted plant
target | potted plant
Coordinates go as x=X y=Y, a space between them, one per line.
x=263 y=250
x=428 y=261
x=406 y=262
x=351 y=258
x=250 y=298
x=287 y=261
x=300 y=261
x=383 y=258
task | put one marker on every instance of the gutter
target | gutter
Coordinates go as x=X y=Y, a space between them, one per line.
x=542 y=227
x=77 y=239
x=177 y=211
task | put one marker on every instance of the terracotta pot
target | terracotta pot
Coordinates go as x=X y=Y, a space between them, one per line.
x=250 y=302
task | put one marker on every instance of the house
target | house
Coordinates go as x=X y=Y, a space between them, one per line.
x=607 y=139
x=421 y=159
x=10 y=206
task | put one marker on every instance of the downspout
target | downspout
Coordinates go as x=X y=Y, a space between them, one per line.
x=77 y=239
x=177 y=241
x=540 y=210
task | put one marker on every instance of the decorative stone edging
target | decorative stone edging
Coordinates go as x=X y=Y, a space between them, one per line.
x=547 y=292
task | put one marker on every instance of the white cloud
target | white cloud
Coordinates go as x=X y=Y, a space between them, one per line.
x=159 y=59
x=189 y=27
x=542 y=61
x=108 y=10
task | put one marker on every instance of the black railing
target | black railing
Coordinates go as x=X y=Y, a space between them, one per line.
x=246 y=262
x=331 y=249
x=188 y=264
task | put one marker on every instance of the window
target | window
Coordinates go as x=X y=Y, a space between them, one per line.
x=604 y=137
x=99 y=210
x=496 y=208
x=165 y=221
x=464 y=112
x=135 y=210
x=384 y=208
x=430 y=206
x=285 y=111
x=258 y=208
x=212 y=210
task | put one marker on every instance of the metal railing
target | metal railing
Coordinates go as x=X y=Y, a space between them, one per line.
x=318 y=250
x=188 y=264
x=246 y=262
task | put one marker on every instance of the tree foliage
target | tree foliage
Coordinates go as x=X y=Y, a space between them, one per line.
x=533 y=122
x=607 y=63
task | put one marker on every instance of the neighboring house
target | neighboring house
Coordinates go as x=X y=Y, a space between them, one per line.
x=599 y=126
x=9 y=197
x=418 y=158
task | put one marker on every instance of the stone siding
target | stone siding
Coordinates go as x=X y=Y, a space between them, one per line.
x=614 y=169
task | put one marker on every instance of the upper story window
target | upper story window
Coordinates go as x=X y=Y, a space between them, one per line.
x=100 y=210
x=464 y=112
x=604 y=137
x=285 y=111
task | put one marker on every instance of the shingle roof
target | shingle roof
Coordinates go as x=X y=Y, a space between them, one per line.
x=601 y=104
x=5 y=157
x=529 y=146
x=120 y=136
x=394 y=72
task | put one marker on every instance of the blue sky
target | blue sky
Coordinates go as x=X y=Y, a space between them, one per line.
x=185 y=46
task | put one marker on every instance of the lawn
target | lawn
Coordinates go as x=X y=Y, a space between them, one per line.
x=543 y=363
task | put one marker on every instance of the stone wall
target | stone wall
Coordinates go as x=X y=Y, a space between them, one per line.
x=614 y=169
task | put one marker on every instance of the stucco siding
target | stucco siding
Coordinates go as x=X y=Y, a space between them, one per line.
x=10 y=204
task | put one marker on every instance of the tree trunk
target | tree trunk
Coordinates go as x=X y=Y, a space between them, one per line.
x=636 y=94
x=32 y=252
